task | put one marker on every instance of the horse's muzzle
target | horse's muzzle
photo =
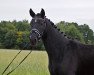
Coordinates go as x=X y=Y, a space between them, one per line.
x=33 y=40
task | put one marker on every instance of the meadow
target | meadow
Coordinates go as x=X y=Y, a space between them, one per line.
x=35 y=64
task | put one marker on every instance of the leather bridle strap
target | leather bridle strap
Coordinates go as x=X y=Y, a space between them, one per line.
x=37 y=32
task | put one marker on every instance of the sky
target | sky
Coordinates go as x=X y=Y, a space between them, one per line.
x=80 y=11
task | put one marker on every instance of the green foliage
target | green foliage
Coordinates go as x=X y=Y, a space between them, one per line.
x=22 y=38
x=81 y=32
x=10 y=39
x=15 y=34
x=74 y=32
x=22 y=25
x=87 y=33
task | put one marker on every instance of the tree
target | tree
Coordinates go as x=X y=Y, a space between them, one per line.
x=22 y=39
x=71 y=30
x=87 y=34
x=15 y=34
x=10 y=39
x=23 y=25
x=75 y=33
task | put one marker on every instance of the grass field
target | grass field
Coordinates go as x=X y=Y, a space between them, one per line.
x=35 y=64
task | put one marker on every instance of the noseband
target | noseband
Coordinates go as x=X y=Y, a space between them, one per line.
x=37 y=32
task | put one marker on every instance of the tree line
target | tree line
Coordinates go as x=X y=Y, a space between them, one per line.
x=15 y=34
x=83 y=33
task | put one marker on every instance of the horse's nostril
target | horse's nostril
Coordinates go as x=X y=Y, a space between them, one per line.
x=36 y=40
x=33 y=41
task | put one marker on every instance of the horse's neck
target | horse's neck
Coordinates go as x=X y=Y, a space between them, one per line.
x=54 y=40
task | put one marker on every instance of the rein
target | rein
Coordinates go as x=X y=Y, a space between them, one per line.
x=14 y=59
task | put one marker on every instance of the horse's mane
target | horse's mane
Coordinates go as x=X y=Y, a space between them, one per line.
x=62 y=33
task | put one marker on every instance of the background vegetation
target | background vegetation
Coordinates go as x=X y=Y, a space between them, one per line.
x=15 y=34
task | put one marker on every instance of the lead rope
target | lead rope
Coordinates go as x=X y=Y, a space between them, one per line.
x=11 y=61
x=14 y=59
x=19 y=64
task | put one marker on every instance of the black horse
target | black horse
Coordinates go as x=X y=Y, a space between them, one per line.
x=66 y=56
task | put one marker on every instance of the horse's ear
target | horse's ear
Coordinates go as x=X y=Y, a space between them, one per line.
x=42 y=13
x=32 y=14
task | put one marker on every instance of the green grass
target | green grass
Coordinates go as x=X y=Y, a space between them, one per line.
x=35 y=64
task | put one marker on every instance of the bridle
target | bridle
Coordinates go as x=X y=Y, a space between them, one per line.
x=36 y=31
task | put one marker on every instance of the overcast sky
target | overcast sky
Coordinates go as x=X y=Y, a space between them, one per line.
x=80 y=11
